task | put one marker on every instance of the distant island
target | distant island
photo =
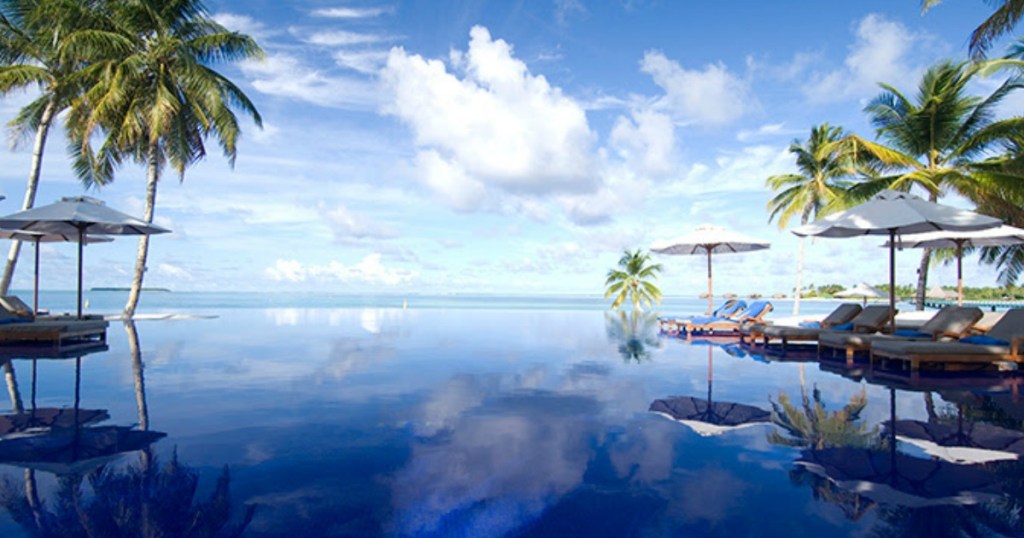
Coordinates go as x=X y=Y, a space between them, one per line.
x=128 y=289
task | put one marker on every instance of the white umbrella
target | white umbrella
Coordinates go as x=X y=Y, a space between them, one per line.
x=78 y=216
x=39 y=237
x=936 y=292
x=863 y=291
x=707 y=239
x=992 y=237
x=891 y=213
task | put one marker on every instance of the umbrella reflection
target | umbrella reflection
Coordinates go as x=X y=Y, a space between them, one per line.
x=145 y=498
x=959 y=440
x=706 y=416
x=888 y=477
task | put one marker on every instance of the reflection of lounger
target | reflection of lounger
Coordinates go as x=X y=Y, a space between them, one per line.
x=1001 y=343
x=869 y=320
x=950 y=322
x=753 y=314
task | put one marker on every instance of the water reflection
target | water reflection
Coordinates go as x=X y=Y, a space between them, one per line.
x=706 y=416
x=635 y=333
x=91 y=495
x=860 y=470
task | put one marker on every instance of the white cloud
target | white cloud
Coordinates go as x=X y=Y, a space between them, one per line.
x=712 y=96
x=646 y=140
x=879 y=54
x=337 y=38
x=346 y=224
x=174 y=272
x=744 y=170
x=368 y=62
x=242 y=23
x=369 y=270
x=349 y=12
x=765 y=131
x=565 y=8
x=287 y=76
x=497 y=127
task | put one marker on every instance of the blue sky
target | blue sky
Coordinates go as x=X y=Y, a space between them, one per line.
x=514 y=147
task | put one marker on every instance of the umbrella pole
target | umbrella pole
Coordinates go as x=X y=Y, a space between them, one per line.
x=81 y=234
x=892 y=281
x=959 y=273
x=35 y=291
x=710 y=365
x=711 y=301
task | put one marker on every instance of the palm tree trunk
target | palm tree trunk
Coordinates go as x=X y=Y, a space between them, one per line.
x=922 y=270
x=922 y=278
x=153 y=175
x=45 y=120
x=799 y=277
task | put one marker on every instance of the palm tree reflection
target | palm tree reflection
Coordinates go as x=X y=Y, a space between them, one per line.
x=145 y=498
x=635 y=332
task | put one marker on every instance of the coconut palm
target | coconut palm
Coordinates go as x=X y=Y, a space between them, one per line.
x=823 y=164
x=632 y=280
x=941 y=140
x=158 y=103
x=43 y=44
x=999 y=23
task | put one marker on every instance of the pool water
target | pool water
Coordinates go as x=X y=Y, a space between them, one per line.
x=487 y=422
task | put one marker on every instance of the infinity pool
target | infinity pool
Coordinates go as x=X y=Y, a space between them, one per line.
x=452 y=422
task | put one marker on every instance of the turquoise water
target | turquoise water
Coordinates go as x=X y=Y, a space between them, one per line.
x=113 y=301
x=484 y=421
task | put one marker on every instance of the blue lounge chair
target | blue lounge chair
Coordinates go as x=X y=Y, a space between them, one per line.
x=729 y=310
x=754 y=313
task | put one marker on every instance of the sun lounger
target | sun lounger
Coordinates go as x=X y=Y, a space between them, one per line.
x=842 y=314
x=56 y=332
x=868 y=320
x=1003 y=342
x=950 y=322
x=754 y=313
x=13 y=305
x=729 y=310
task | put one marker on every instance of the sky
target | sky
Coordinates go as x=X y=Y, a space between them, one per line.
x=513 y=147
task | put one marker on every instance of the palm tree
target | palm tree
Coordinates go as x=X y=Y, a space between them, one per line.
x=631 y=281
x=823 y=164
x=1000 y=22
x=158 y=103
x=43 y=44
x=942 y=140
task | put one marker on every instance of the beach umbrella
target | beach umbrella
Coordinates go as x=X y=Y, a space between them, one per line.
x=39 y=237
x=78 y=216
x=991 y=237
x=706 y=416
x=862 y=290
x=936 y=292
x=707 y=240
x=895 y=213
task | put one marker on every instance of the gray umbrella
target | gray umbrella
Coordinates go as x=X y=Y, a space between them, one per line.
x=39 y=237
x=992 y=237
x=78 y=216
x=893 y=213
